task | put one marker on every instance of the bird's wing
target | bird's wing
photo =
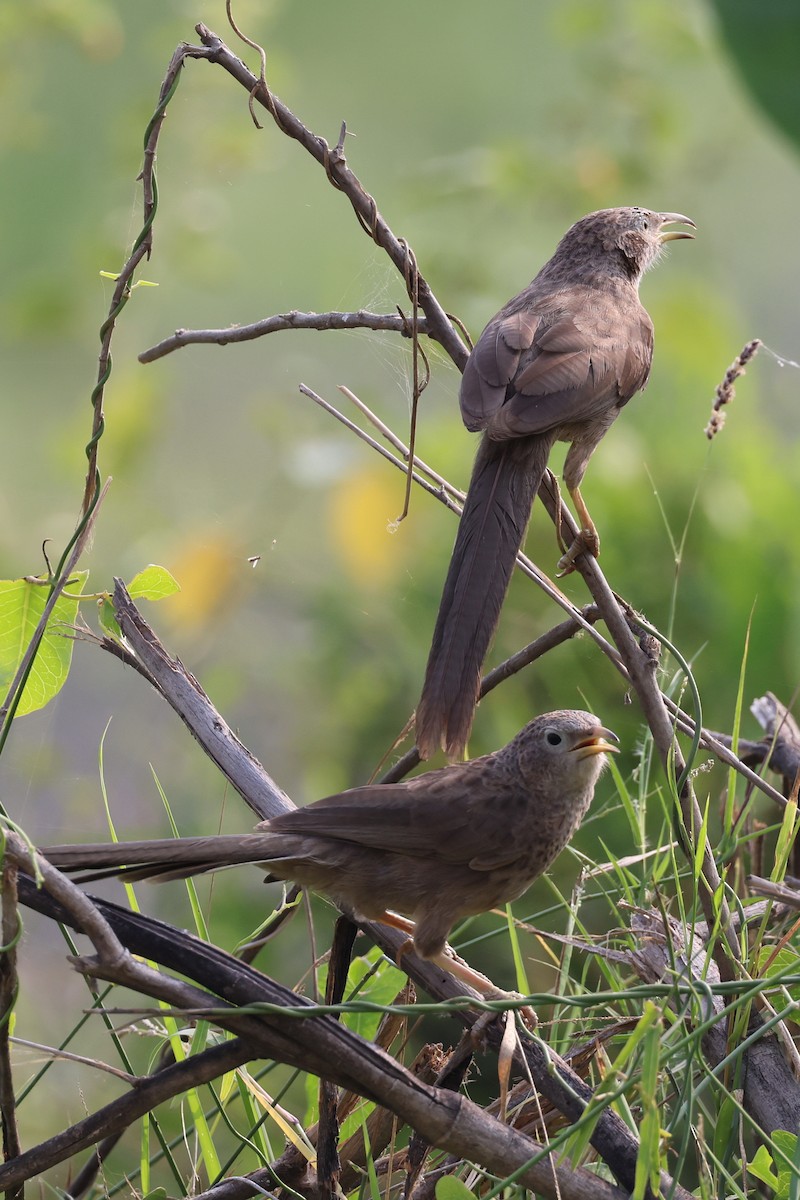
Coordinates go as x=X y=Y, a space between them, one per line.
x=493 y=364
x=422 y=818
x=532 y=371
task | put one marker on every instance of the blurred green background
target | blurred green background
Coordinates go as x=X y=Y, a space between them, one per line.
x=483 y=131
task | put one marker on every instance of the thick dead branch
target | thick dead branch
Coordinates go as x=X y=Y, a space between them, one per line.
x=771 y=1089
x=319 y=1045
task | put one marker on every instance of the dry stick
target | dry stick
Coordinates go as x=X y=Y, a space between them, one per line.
x=438 y=492
x=717 y=744
x=387 y=322
x=321 y=1046
x=642 y=672
x=141 y=250
x=9 y=987
x=440 y=327
x=185 y=695
x=399 y=445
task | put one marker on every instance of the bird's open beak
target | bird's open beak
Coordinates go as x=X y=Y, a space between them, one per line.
x=672 y=235
x=600 y=742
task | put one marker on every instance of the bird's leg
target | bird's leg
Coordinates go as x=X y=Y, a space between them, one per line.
x=395 y=921
x=449 y=961
x=587 y=538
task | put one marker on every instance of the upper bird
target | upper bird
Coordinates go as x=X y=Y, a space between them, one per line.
x=557 y=363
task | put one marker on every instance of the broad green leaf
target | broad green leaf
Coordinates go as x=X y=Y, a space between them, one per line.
x=785 y=961
x=21 y=606
x=376 y=986
x=788 y=1179
x=105 y=613
x=761 y=1167
x=763 y=40
x=449 y=1187
x=153 y=583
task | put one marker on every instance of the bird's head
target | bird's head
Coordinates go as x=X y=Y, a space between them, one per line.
x=623 y=241
x=566 y=746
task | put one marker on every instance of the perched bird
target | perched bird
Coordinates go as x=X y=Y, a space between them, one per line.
x=556 y=364
x=442 y=846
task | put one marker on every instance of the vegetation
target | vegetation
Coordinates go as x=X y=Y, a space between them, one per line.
x=665 y=984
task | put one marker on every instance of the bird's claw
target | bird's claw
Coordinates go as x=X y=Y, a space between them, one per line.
x=586 y=541
x=528 y=1014
x=405 y=947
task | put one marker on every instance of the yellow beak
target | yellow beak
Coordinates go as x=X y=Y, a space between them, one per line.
x=672 y=235
x=599 y=743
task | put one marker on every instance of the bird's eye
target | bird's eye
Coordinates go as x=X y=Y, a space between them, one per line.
x=645 y=223
x=553 y=738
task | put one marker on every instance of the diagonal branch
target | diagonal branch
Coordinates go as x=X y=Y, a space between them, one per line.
x=182 y=691
x=440 y=327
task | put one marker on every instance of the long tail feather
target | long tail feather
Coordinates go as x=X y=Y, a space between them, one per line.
x=162 y=858
x=505 y=480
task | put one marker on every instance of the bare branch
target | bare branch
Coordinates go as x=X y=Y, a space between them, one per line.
x=440 y=327
x=182 y=691
x=9 y=986
x=388 y=322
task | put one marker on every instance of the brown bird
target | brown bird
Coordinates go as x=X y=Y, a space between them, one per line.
x=556 y=364
x=442 y=846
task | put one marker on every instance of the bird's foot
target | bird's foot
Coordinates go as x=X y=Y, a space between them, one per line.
x=586 y=542
x=406 y=947
x=450 y=961
x=527 y=1013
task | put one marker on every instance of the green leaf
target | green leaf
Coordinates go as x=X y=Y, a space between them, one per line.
x=787 y=1188
x=761 y=1167
x=786 y=961
x=153 y=583
x=762 y=40
x=371 y=977
x=108 y=621
x=648 y=1161
x=451 y=1188
x=21 y=607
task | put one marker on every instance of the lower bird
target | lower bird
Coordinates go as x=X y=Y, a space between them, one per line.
x=445 y=845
